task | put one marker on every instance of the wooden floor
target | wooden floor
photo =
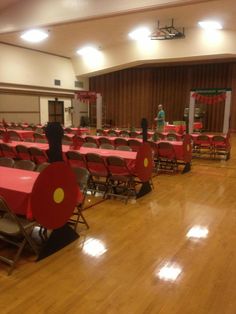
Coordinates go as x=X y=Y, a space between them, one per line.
x=114 y=266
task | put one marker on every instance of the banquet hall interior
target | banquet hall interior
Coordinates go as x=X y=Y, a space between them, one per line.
x=132 y=217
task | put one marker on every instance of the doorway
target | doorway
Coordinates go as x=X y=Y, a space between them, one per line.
x=56 y=111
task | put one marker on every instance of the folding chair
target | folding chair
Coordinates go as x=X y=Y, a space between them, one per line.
x=103 y=140
x=112 y=133
x=220 y=146
x=120 y=141
x=42 y=166
x=67 y=140
x=88 y=144
x=25 y=165
x=7 y=150
x=124 y=133
x=82 y=178
x=2 y=133
x=166 y=157
x=134 y=144
x=202 y=145
x=133 y=134
x=107 y=146
x=75 y=159
x=100 y=132
x=16 y=231
x=38 y=155
x=68 y=130
x=121 y=181
x=22 y=152
x=99 y=172
x=39 y=138
x=14 y=136
x=171 y=137
x=6 y=162
x=124 y=148
x=90 y=139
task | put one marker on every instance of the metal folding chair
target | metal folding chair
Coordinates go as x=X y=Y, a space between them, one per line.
x=121 y=181
x=82 y=178
x=99 y=172
x=166 y=157
x=15 y=230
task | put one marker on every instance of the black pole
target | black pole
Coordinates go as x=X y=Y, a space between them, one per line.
x=54 y=133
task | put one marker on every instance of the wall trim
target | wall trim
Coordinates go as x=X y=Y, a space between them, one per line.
x=45 y=92
x=23 y=112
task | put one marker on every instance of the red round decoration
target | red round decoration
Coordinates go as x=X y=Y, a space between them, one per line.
x=187 y=148
x=144 y=162
x=54 y=195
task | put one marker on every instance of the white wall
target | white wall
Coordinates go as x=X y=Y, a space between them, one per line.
x=27 y=67
x=19 y=108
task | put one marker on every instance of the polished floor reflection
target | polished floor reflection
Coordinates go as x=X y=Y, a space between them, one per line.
x=187 y=225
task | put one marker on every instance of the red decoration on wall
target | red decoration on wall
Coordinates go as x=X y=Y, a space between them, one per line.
x=209 y=99
x=86 y=96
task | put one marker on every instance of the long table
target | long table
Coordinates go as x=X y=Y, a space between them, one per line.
x=178 y=147
x=182 y=128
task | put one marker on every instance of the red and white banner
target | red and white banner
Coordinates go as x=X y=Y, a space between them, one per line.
x=86 y=96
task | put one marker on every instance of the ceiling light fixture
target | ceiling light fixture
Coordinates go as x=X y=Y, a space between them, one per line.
x=87 y=50
x=34 y=35
x=167 y=32
x=210 y=25
x=140 y=33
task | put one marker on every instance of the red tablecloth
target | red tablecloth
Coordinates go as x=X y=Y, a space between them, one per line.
x=130 y=157
x=182 y=128
x=16 y=187
x=24 y=134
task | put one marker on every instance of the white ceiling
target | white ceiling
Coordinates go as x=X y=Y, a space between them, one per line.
x=105 y=32
x=6 y=3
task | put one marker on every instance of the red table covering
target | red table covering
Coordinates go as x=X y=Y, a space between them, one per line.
x=16 y=187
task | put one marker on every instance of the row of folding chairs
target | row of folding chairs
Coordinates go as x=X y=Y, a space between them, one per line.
x=109 y=176
x=20 y=151
x=215 y=147
x=164 y=157
x=14 y=136
x=99 y=142
x=115 y=133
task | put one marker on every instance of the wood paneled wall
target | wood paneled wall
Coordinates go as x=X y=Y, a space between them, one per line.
x=131 y=94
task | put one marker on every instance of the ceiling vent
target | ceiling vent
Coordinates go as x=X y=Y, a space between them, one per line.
x=57 y=82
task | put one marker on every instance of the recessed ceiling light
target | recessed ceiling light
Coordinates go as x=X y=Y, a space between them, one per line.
x=210 y=25
x=88 y=50
x=140 y=33
x=34 y=35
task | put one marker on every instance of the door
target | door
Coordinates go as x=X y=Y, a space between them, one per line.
x=56 y=111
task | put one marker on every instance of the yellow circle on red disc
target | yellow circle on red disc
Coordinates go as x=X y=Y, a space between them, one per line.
x=58 y=195
x=145 y=162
